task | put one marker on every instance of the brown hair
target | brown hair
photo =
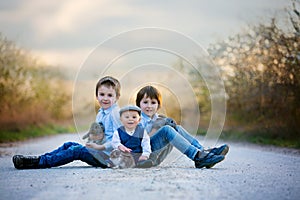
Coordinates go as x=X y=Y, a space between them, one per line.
x=150 y=92
x=109 y=82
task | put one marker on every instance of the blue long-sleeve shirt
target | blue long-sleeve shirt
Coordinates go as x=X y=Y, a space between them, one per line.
x=110 y=118
x=147 y=122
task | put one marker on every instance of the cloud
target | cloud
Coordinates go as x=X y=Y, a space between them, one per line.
x=49 y=18
x=56 y=26
x=70 y=16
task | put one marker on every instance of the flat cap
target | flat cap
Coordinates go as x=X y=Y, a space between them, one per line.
x=129 y=108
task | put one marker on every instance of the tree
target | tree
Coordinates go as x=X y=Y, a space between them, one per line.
x=261 y=70
x=31 y=92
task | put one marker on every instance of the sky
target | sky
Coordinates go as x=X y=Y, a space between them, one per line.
x=65 y=32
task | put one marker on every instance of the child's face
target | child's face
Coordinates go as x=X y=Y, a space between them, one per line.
x=130 y=119
x=149 y=106
x=106 y=96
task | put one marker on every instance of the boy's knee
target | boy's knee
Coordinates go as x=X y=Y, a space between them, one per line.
x=76 y=147
x=70 y=144
x=169 y=132
x=167 y=128
x=76 y=151
x=170 y=129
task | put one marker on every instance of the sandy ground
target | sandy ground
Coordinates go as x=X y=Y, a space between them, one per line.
x=248 y=172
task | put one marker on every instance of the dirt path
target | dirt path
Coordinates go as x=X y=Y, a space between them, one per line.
x=248 y=172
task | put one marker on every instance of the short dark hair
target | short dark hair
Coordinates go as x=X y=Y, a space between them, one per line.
x=109 y=82
x=150 y=92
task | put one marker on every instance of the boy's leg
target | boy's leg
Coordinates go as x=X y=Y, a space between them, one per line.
x=222 y=150
x=189 y=137
x=167 y=135
x=63 y=147
x=159 y=155
x=95 y=158
x=32 y=162
x=74 y=152
x=155 y=157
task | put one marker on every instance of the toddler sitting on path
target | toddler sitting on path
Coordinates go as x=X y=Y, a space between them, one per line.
x=132 y=137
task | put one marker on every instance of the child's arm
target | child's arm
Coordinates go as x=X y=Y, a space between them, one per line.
x=95 y=146
x=115 y=142
x=111 y=125
x=145 y=146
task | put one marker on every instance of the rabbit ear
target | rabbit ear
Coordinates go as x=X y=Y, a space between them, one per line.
x=161 y=116
x=86 y=135
x=102 y=126
x=116 y=152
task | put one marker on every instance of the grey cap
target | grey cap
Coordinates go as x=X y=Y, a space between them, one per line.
x=130 y=107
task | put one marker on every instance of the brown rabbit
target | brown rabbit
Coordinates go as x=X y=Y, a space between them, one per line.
x=96 y=131
x=121 y=159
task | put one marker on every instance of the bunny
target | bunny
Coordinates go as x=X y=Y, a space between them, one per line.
x=96 y=131
x=122 y=159
x=162 y=121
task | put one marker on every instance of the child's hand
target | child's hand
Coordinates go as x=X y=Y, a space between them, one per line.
x=91 y=145
x=143 y=158
x=124 y=149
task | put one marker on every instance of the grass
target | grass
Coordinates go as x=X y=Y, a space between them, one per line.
x=33 y=132
x=262 y=138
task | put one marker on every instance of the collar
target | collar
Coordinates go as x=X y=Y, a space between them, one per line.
x=129 y=132
x=106 y=111
x=147 y=118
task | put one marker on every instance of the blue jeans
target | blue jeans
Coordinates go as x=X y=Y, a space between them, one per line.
x=71 y=151
x=181 y=140
x=189 y=138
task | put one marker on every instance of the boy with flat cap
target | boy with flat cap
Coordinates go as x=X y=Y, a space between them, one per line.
x=131 y=137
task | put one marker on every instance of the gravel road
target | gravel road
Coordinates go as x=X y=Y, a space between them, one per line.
x=248 y=172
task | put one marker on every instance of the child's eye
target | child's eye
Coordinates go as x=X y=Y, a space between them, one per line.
x=153 y=102
x=109 y=95
x=101 y=94
x=145 y=102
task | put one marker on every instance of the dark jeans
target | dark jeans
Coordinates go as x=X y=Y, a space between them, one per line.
x=71 y=151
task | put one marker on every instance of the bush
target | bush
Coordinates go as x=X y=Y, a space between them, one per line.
x=31 y=93
x=261 y=72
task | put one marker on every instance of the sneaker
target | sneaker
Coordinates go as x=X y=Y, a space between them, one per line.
x=222 y=150
x=18 y=161
x=208 y=161
x=25 y=162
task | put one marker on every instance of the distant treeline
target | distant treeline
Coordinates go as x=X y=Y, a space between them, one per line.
x=261 y=71
x=31 y=92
